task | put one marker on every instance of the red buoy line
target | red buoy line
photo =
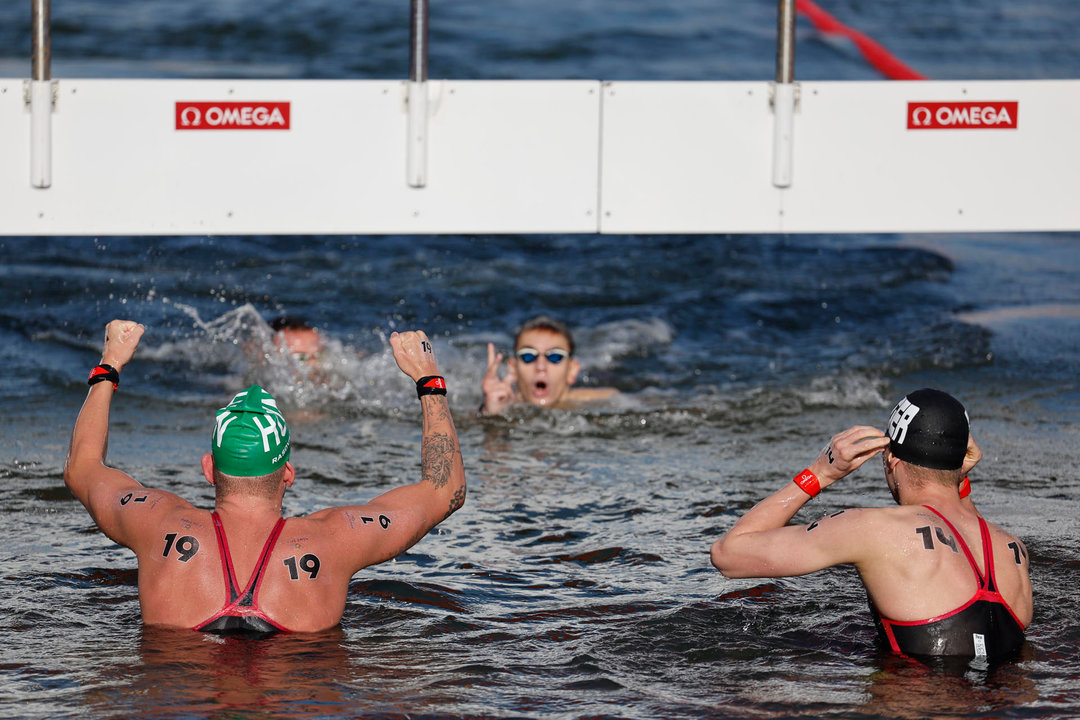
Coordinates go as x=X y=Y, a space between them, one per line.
x=883 y=61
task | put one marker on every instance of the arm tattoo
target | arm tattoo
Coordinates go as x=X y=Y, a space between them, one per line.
x=437 y=457
x=437 y=409
x=456 y=502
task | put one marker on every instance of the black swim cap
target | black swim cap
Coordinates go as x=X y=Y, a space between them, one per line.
x=929 y=428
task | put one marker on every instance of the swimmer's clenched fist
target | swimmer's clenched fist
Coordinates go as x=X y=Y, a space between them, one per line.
x=121 y=339
x=414 y=354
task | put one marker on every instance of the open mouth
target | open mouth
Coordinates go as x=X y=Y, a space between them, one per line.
x=540 y=388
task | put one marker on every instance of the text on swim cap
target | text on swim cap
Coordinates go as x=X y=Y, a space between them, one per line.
x=271 y=428
x=275 y=427
x=902 y=415
x=222 y=421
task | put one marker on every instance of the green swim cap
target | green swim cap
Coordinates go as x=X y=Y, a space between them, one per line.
x=251 y=437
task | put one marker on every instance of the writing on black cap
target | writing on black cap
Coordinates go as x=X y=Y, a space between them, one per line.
x=929 y=428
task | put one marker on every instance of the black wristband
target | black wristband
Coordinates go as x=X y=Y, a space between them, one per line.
x=430 y=385
x=104 y=372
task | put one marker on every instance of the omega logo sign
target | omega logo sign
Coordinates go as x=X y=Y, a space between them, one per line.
x=232 y=115
x=985 y=115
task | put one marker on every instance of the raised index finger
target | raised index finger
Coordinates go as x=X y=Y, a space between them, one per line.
x=493 y=361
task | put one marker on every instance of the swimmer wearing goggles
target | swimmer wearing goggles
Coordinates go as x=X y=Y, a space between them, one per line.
x=541 y=372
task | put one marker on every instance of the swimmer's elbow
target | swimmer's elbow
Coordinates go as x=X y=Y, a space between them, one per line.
x=458 y=500
x=724 y=560
x=75 y=475
x=719 y=557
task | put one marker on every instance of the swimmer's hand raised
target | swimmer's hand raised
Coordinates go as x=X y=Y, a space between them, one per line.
x=972 y=456
x=848 y=451
x=414 y=354
x=121 y=339
x=498 y=393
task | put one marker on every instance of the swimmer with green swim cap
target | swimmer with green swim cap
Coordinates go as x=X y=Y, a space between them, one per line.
x=251 y=437
x=243 y=567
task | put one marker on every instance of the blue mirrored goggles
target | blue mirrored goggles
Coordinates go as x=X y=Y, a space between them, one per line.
x=554 y=356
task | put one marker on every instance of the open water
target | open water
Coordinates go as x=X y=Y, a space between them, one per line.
x=575 y=582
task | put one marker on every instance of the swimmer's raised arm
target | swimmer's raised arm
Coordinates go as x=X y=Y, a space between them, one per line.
x=407 y=513
x=85 y=470
x=760 y=543
x=93 y=483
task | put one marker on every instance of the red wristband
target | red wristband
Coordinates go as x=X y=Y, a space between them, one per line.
x=104 y=373
x=430 y=385
x=965 y=487
x=808 y=483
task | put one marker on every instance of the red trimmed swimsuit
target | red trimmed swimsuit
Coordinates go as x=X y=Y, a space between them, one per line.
x=241 y=612
x=984 y=626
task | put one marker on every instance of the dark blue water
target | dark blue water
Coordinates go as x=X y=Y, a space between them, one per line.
x=575 y=582
x=478 y=39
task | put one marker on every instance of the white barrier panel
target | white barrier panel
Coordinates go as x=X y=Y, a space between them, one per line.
x=868 y=157
x=688 y=157
x=151 y=157
x=329 y=157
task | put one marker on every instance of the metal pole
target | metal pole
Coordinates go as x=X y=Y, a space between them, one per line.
x=417 y=128
x=41 y=49
x=784 y=96
x=40 y=96
x=785 y=42
x=418 y=41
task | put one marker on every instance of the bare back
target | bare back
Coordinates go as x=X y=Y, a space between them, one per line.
x=302 y=588
x=915 y=567
x=305 y=579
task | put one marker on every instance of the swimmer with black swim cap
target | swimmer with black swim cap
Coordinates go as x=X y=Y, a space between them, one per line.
x=931 y=429
x=940 y=579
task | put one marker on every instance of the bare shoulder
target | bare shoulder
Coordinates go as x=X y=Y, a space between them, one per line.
x=147 y=505
x=997 y=531
x=352 y=521
x=362 y=535
x=342 y=517
x=912 y=520
x=1000 y=536
x=852 y=518
x=590 y=394
x=129 y=515
x=868 y=527
x=153 y=521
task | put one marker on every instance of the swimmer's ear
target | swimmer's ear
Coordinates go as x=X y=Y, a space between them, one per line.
x=890 y=461
x=575 y=368
x=208 y=467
